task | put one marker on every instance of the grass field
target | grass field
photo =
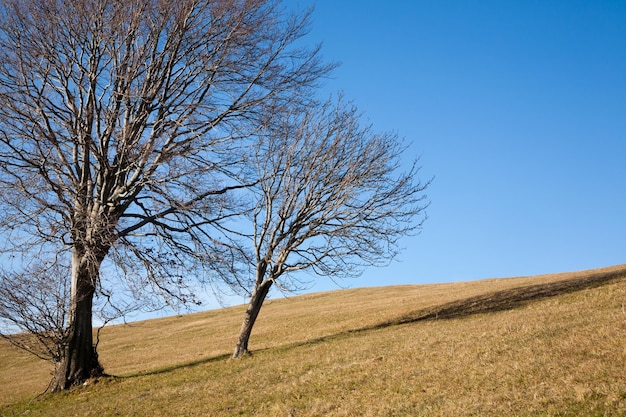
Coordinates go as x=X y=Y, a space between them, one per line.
x=551 y=345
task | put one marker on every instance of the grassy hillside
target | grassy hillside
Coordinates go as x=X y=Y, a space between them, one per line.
x=547 y=345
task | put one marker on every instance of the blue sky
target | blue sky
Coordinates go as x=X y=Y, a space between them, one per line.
x=518 y=108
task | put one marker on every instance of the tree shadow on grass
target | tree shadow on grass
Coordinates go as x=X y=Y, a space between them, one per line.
x=177 y=366
x=485 y=303
x=504 y=299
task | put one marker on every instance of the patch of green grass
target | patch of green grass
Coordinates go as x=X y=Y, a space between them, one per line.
x=371 y=352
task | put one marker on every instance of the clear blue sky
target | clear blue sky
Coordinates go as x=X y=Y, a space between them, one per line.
x=518 y=109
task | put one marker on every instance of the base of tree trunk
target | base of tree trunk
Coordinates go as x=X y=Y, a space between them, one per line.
x=241 y=353
x=62 y=381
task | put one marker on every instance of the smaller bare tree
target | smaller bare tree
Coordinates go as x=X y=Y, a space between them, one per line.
x=34 y=309
x=331 y=199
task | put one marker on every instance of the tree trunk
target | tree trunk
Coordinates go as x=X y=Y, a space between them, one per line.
x=80 y=359
x=252 y=312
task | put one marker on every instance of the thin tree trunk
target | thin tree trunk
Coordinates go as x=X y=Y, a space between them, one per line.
x=252 y=312
x=80 y=359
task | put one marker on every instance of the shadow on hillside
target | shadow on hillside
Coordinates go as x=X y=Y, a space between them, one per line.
x=486 y=303
x=174 y=367
x=504 y=299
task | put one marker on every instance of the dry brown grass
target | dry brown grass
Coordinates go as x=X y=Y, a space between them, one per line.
x=546 y=345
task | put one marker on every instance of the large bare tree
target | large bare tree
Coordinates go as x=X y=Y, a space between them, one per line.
x=120 y=129
x=332 y=198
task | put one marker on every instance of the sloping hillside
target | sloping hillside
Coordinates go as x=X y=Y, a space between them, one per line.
x=544 y=345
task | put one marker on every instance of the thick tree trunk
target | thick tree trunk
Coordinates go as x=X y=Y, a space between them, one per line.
x=80 y=359
x=252 y=312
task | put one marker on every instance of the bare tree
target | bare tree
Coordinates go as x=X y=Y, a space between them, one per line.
x=34 y=306
x=120 y=130
x=331 y=199
x=36 y=303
